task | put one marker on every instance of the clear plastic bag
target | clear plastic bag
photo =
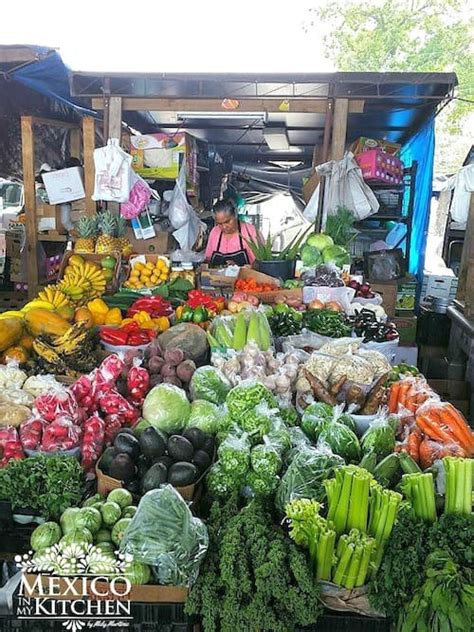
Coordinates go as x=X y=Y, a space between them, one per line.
x=92 y=441
x=52 y=405
x=234 y=454
x=342 y=295
x=60 y=435
x=31 y=433
x=164 y=534
x=210 y=384
x=306 y=474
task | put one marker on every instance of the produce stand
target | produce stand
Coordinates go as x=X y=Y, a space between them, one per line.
x=249 y=457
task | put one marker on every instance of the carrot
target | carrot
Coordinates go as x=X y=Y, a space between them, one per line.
x=431 y=429
x=459 y=426
x=404 y=387
x=413 y=445
x=427 y=453
x=393 y=398
x=450 y=424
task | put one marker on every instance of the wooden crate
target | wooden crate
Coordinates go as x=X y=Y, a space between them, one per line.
x=144 y=593
x=113 y=285
x=272 y=296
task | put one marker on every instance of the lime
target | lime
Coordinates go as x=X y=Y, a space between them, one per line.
x=108 y=263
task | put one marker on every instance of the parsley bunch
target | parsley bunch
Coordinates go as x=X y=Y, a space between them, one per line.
x=47 y=485
x=254 y=577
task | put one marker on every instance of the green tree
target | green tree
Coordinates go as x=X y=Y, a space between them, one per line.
x=404 y=35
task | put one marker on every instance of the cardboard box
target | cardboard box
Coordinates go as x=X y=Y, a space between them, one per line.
x=406 y=296
x=457 y=392
x=388 y=291
x=406 y=326
x=161 y=244
x=406 y=355
x=65 y=185
x=439 y=285
x=49 y=218
x=210 y=278
x=363 y=144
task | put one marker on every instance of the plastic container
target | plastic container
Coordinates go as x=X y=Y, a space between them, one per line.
x=123 y=348
x=278 y=269
x=362 y=422
x=74 y=452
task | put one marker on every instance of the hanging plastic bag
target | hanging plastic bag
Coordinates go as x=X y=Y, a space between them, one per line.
x=140 y=194
x=346 y=187
x=182 y=215
x=112 y=173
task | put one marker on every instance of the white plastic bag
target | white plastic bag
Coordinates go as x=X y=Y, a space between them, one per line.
x=182 y=215
x=346 y=187
x=342 y=295
x=112 y=173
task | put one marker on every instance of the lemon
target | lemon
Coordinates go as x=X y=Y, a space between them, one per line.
x=146 y=273
x=138 y=266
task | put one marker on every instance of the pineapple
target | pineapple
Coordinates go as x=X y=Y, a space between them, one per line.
x=107 y=242
x=124 y=244
x=87 y=228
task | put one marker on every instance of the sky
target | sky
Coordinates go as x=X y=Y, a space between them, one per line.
x=171 y=36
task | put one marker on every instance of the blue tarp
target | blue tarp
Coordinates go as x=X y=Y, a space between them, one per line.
x=420 y=148
x=50 y=76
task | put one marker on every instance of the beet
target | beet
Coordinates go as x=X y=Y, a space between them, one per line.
x=185 y=370
x=174 y=356
x=168 y=370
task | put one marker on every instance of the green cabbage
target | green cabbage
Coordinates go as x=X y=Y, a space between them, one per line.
x=337 y=255
x=379 y=438
x=46 y=534
x=205 y=416
x=167 y=408
x=319 y=241
x=210 y=384
x=342 y=441
x=310 y=256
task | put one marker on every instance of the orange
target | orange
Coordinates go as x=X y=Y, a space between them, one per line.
x=84 y=315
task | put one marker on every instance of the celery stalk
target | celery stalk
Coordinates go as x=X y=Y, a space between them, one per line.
x=354 y=567
x=429 y=497
x=329 y=560
x=342 y=508
x=324 y=545
x=343 y=565
x=364 y=565
x=359 y=503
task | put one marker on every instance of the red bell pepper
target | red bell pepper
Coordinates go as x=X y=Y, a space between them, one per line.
x=114 y=336
x=156 y=306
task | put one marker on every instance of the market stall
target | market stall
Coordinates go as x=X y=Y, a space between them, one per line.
x=250 y=442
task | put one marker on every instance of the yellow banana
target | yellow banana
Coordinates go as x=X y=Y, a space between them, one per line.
x=12 y=314
x=38 y=304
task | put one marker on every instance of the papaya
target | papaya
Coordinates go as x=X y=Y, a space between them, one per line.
x=42 y=321
x=11 y=330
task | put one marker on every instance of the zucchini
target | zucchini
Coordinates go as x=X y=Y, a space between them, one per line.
x=408 y=464
x=369 y=461
x=386 y=469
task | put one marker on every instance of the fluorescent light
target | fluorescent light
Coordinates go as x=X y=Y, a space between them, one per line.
x=234 y=114
x=276 y=138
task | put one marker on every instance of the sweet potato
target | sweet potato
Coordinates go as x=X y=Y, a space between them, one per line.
x=321 y=393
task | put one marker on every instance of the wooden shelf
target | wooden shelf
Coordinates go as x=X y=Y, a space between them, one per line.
x=54 y=238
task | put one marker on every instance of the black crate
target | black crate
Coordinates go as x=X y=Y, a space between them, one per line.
x=340 y=622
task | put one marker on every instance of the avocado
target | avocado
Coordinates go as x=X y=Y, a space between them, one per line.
x=127 y=443
x=133 y=487
x=181 y=474
x=126 y=430
x=165 y=459
x=201 y=460
x=143 y=464
x=209 y=445
x=196 y=436
x=154 y=477
x=180 y=449
x=106 y=459
x=152 y=443
x=122 y=467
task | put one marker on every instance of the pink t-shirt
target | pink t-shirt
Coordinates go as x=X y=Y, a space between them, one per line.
x=231 y=244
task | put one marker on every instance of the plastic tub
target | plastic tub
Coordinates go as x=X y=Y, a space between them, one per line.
x=362 y=422
x=123 y=348
x=278 y=269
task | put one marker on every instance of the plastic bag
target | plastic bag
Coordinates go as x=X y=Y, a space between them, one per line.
x=210 y=384
x=342 y=295
x=11 y=376
x=164 y=534
x=388 y=348
x=60 y=435
x=234 y=454
x=408 y=394
x=92 y=441
x=306 y=474
x=52 y=405
x=10 y=446
x=37 y=385
x=31 y=433
x=140 y=194
x=16 y=396
x=379 y=438
x=112 y=173
x=205 y=416
x=181 y=214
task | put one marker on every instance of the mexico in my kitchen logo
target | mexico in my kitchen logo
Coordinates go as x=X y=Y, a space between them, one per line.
x=79 y=586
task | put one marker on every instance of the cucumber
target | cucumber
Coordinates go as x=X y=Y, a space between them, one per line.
x=408 y=464
x=386 y=469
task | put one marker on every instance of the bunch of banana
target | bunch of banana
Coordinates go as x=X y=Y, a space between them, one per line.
x=68 y=353
x=53 y=295
x=34 y=304
x=83 y=282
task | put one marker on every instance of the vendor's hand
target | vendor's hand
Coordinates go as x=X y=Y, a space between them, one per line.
x=229 y=262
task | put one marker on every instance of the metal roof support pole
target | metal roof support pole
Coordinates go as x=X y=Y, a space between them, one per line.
x=31 y=226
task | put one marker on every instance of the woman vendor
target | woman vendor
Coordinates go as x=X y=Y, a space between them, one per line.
x=227 y=243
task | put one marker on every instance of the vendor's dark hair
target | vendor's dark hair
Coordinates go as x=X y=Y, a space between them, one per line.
x=225 y=206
